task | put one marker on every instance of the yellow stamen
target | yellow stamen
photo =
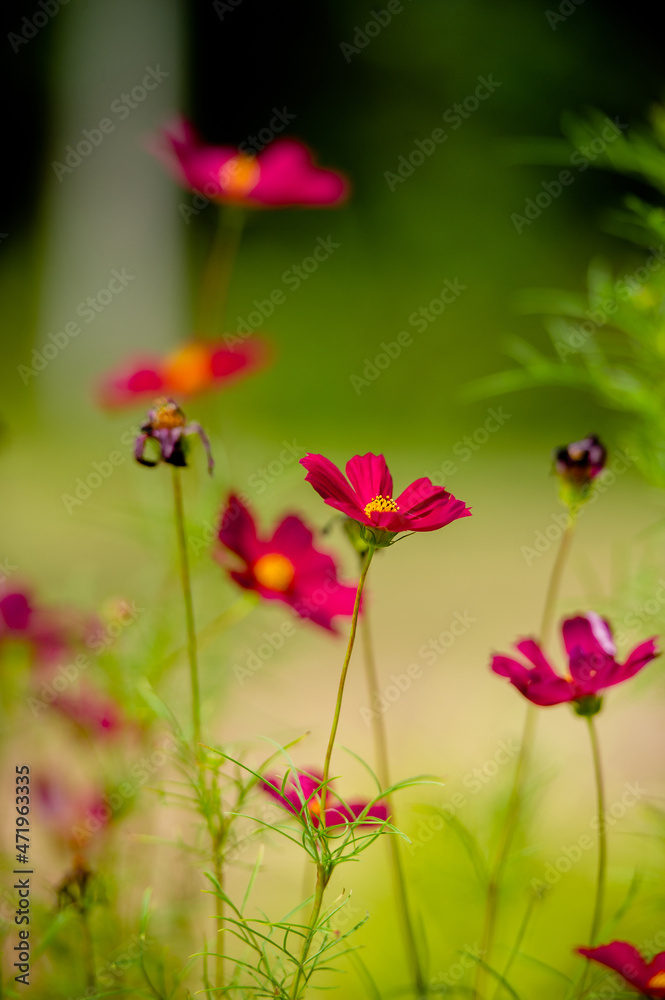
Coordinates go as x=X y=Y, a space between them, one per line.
x=239 y=175
x=382 y=505
x=274 y=571
x=188 y=369
x=657 y=982
x=167 y=416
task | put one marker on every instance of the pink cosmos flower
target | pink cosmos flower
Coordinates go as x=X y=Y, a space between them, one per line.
x=367 y=496
x=51 y=633
x=196 y=367
x=283 y=175
x=92 y=711
x=167 y=426
x=72 y=815
x=591 y=664
x=285 y=566
x=300 y=794
x=647 y=977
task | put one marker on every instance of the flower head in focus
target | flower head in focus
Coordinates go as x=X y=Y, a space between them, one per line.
x=647 y=977
x=196 y=367
x=284 y=566
x=166 y=427
x=299 y=792
x=592 y=665
x=577 y=465
x=283 y=175
x=366 y=495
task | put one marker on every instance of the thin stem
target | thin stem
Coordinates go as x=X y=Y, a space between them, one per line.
x=323 y=871
x=526 y=919
x=383 y=769
x=219 y=268
x=189 y=607
x=219 y=920
x=342 y=680
x=602 y=845
x=322 y=879
x=515 y=801
x=88 y=950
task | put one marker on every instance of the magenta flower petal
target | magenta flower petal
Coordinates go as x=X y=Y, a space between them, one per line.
x=286 y=567
x=15 y=612
x=621 y=957
x=591 y=666
x=369 y=476
x=368 y=499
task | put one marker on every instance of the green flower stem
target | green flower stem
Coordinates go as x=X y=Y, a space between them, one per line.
x=515 y=802
x=88 y=949
x=526 y=920
x=219 y=919
x=323 y=871
x=189 y=608
x=342 y=681
x=383 y=769
x=597 y=920
x=322 y=879
x=219 y=268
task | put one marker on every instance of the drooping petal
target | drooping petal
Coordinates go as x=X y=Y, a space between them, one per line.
x=194 y=427
x=139 y=450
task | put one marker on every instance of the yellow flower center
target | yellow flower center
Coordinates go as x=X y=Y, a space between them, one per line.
x=274 y=571
x=657 y=982
x=188 y=369
x=239 y=175
x=167 y=416
x=382 y=505
x=315 y=808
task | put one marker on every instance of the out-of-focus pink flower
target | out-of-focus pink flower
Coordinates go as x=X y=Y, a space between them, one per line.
x=92 y=711
x=285 y=566
x=367 y=497
x=300 y=794
x=624 y=958
x=591 y=663
x=74 y=816
x=51 y=633
x=196 y=367
x=283 y=175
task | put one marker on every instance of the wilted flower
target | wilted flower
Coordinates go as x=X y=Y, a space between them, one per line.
x=300 y=794
x=285 y=566
x=283 y=175
x=647 y=977
x=167 y=426
x=591 y=664
x=577 y=465
x=198 y=366
x=367 y=497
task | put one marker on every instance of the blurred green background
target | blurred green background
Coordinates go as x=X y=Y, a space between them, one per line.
x=228 y=67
